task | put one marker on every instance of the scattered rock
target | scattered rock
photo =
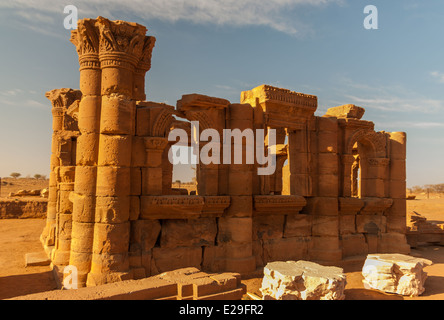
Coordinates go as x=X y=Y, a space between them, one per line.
x=302 y=280
x=395 y=273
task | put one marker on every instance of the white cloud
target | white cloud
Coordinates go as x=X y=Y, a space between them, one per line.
x=280 y=15
x=438 y=75
x=387 y=97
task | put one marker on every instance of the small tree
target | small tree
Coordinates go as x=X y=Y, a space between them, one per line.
x=15 y=175
x=37 y=176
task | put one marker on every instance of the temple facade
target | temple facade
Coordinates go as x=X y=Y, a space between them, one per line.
x=338 y=191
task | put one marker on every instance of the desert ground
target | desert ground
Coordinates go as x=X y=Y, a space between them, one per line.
x=9 y=185
x=21 y=236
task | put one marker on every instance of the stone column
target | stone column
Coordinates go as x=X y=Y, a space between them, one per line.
x=48 y=235
x=64 y=132
x=324 y=207
x=86 y=40
x=394 y=240
x=235 y=234
x=121 y=45
x=61 y=254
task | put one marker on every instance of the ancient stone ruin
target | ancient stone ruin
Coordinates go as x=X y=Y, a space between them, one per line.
x=338 y=190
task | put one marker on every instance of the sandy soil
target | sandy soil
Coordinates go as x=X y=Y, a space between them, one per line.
x=18 y=237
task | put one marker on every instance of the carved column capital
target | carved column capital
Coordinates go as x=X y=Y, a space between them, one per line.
x=86 y=40
x=121 y=43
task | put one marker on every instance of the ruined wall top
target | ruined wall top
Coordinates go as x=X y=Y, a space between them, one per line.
x=267 y=93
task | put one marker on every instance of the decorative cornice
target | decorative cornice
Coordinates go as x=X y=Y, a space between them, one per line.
x=275 y=204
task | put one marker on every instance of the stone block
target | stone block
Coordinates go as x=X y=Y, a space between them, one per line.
x=395 y=273
x=393 y=243
x=396 y=224
x=143 y=122
x=116 y=80
x=166 y=259
x=83 y=208
x=240 y=111
x=136 y=181
x=398 y=149
x=397 y=169
x=324 y=206
x=82 y=237
x=295 y=248
x=302 y=280
x=240 y=207
x=36 y=259
x=138 y=152
x=89 y=113
x=145 y=233
x=134 y=208
x=325 y=226
x=373 y=188
x=298 y=225
x=65 y=226
x=117 y=116
x=327 y=142
x=105 y=263
x=328 y=164
x=151 y=181
x=115 y=150
x=397 y=189
x=111 y=238
x=373 y=224
x=354 y=245
x=347 y=224
x=87 y=149
x=112 y=209
x=240 y=189
x=399 y=208
x=235 y=230
x=85 y=180
x=113 y=181
x=181 y=233
x=268 y=227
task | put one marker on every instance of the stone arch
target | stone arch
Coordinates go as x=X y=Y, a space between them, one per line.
x=362 y=148
x=162 y=124
x=375 y=142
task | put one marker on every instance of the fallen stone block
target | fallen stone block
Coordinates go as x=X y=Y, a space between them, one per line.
x=36 y=259
x=302 y=280
x=395 y=273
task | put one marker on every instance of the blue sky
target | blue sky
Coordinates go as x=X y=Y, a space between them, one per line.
x=221 y=48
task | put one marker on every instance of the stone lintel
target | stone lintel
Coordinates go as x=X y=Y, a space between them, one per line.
x=199 y=101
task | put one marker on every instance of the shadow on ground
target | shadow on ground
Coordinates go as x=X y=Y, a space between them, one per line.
x=17 y=285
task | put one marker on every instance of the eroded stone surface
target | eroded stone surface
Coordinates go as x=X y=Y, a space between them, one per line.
x=395 y=273
x=302 y=280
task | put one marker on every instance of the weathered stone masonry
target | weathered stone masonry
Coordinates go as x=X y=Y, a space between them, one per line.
x=338 y=190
